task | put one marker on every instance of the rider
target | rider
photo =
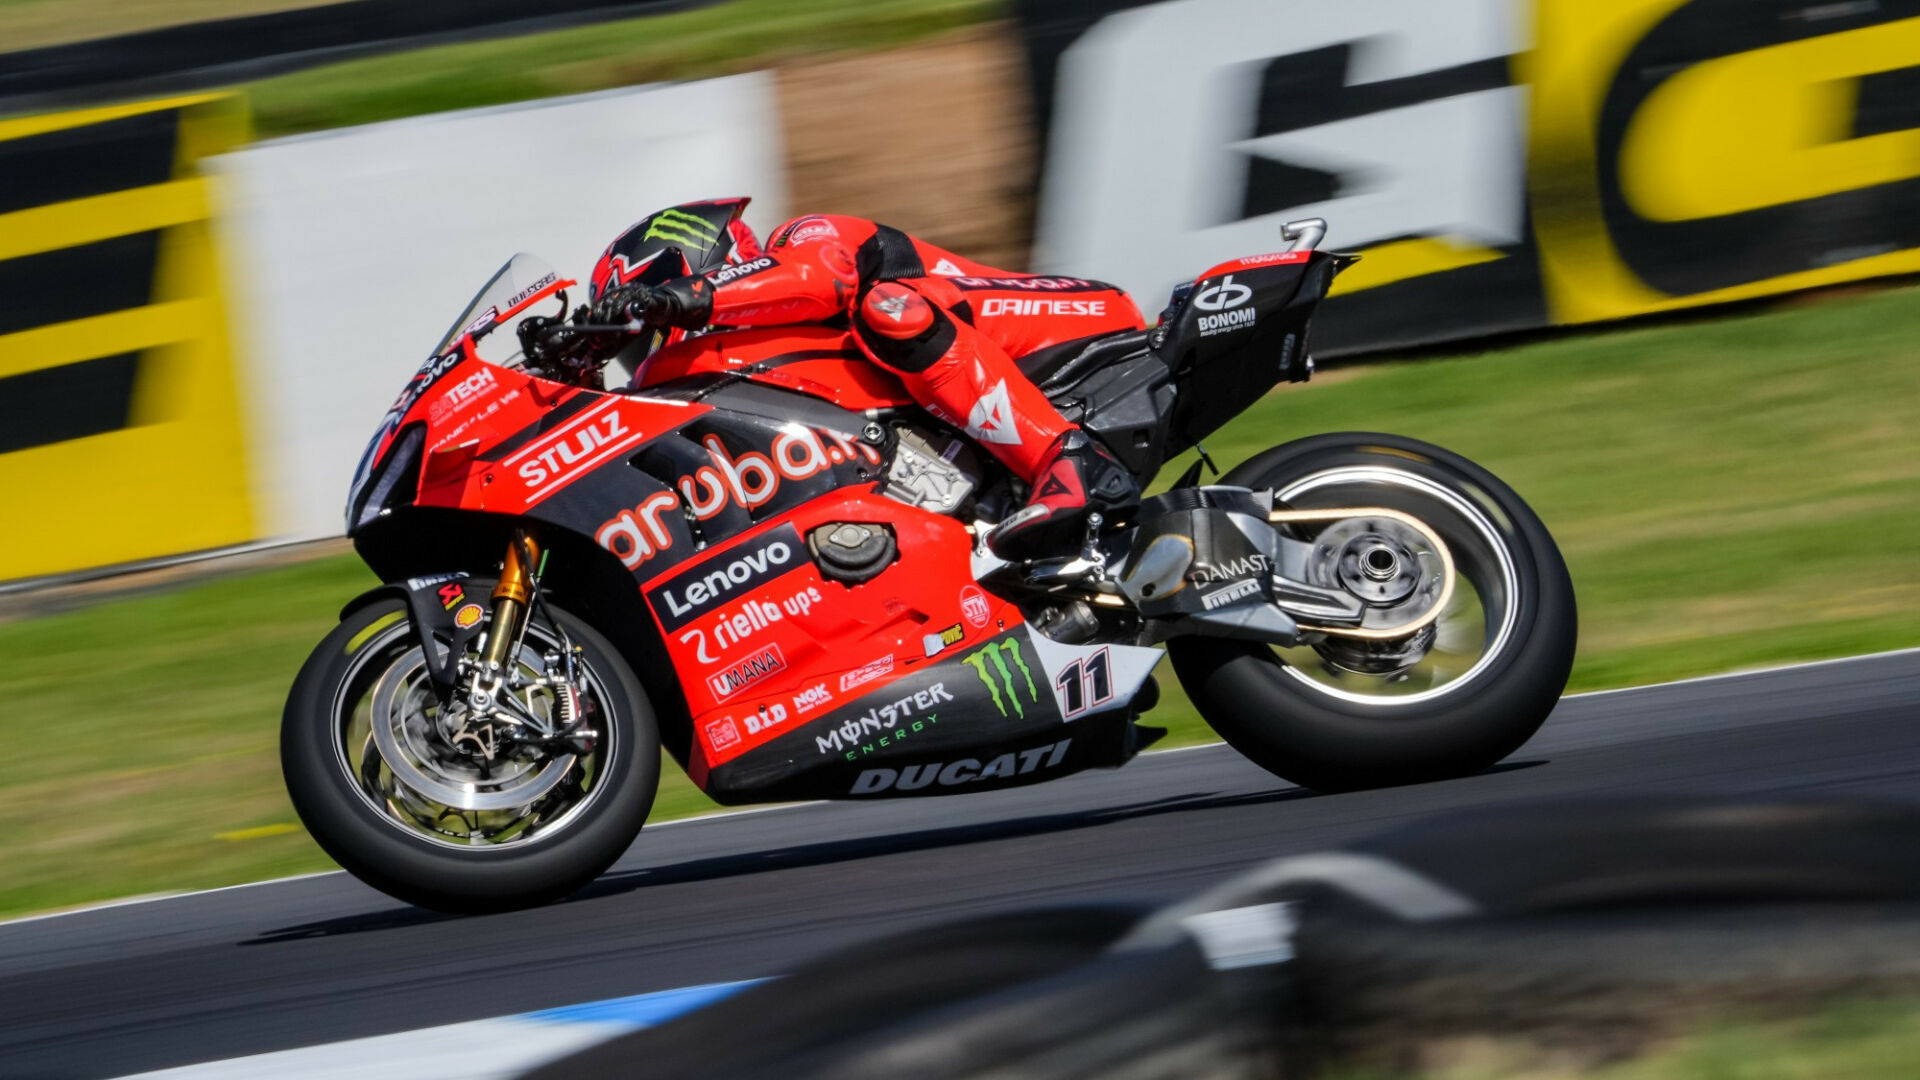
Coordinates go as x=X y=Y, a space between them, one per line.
x=947 y=326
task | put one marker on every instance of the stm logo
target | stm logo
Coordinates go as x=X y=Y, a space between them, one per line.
x=964 y=771
x=973 y=604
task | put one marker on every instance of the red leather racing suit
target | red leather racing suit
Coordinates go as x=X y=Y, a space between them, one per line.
x=948 y=326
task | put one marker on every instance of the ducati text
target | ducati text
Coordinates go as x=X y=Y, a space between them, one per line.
x=963 y=771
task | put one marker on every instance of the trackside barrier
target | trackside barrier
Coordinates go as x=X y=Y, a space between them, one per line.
x=1503 y=164
x=1585 y=925
x=120 y=433
x=358 y=246
x=335 y=264
x=212 y=52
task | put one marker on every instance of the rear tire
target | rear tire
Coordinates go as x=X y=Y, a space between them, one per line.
x=1334 y=741
x=376 y=844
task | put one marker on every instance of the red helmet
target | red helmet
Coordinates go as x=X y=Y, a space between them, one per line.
x=692 y=238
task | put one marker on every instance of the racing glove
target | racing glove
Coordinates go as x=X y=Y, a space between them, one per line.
x=685 y=302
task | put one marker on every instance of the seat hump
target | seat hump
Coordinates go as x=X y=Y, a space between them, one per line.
x=1058 y=365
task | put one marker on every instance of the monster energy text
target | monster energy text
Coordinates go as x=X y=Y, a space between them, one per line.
x=997 y=655
x=858 y=736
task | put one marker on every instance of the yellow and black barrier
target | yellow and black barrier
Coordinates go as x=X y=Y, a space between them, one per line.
x=120 y=425
x=1689 y=152
x=1503 y=164
x=1679 y=153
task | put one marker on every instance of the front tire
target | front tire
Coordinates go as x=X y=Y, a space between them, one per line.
x=1308 y=721
x=369 y=803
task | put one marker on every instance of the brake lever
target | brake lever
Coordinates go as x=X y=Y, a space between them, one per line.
x=637 y=326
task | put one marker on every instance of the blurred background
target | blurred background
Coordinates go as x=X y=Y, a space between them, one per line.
x=1642 y=259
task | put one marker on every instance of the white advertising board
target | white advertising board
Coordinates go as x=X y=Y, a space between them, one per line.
x=1185 y=133
x=351 y=251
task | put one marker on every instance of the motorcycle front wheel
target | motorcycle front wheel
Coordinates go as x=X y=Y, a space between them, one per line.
x=1464 y=692
x=415 y=799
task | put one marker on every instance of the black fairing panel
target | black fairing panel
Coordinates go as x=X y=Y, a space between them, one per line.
x=1147 y=403
x=714 y=459
x=957 y=725
x=394 y=481
x=1124 y=404
x=1226 y=356
x=1058 y=365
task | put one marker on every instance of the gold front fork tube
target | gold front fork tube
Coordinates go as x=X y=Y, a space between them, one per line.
x=511 y=597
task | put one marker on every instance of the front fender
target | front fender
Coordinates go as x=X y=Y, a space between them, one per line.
x=437 y=607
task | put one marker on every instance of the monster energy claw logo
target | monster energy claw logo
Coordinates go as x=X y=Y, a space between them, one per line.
x=993 y=653
x=677 y=225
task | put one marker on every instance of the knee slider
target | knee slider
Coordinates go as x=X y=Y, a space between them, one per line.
x=901 y=328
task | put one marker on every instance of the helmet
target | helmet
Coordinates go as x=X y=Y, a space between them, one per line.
x=692 y=238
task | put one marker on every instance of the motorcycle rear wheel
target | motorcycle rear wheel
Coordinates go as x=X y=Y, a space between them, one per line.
x=1301 y=715
x=384 y=805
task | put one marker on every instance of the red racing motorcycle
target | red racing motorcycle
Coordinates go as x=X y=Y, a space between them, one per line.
x=762 y=557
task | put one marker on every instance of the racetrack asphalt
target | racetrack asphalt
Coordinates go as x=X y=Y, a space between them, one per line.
x=310 y=960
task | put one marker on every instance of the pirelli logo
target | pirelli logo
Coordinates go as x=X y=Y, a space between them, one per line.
x=119 y=420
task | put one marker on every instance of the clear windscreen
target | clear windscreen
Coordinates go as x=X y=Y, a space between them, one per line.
x=512 y=284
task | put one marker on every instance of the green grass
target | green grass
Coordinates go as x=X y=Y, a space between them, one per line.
x=1872 y=1039
x=144 y=729
x=1729 y=494
x=721 y=39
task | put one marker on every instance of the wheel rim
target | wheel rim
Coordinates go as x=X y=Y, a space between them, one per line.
x=390 y=741
x=1476 y=629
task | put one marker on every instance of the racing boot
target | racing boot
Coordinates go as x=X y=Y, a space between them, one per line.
x=1077 y=478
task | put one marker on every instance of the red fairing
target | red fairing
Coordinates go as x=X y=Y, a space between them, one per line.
x=476 y=406
x=817 y=360
x=1255 y=262
x=765 y=658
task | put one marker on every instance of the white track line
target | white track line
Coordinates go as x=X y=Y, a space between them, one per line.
x=724 y=814
x=492 y=1049
x=1746 y=672
x=130 y=901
